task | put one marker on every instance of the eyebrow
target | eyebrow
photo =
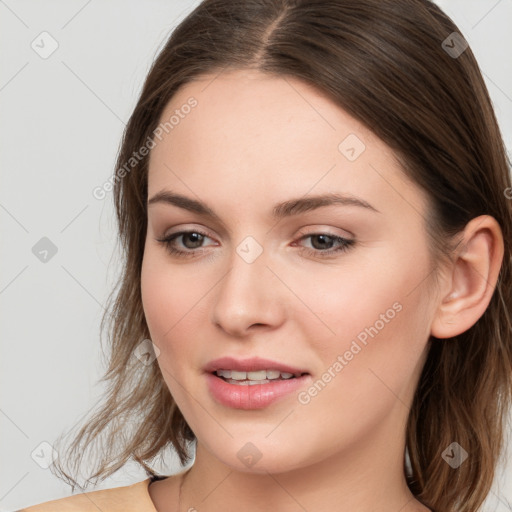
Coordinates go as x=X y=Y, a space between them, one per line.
x=279 y=211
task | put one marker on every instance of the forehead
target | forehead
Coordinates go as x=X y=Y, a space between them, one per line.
x=253 y=107
x=247 y=127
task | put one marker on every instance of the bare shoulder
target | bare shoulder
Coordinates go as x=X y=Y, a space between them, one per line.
x=117 y=499
x=163 y=492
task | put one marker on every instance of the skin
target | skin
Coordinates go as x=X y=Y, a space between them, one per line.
x=252 y=141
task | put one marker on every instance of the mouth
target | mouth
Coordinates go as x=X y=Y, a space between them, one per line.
x=253 y=383
x=244 y=378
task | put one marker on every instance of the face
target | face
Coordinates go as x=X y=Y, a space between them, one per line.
x=332 y=286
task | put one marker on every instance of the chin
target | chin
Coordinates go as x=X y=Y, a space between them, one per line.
x=260 y=457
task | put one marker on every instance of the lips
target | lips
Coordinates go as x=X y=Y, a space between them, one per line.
x=252 y=364
x=248 y=389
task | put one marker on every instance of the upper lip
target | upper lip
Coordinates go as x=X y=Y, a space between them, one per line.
x=250 y=365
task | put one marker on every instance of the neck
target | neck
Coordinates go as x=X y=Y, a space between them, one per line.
x=368 y=477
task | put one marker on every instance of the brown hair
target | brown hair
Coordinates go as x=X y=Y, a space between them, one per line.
x=384 y=62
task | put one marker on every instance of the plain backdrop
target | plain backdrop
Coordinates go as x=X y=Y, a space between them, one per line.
x=62 y=119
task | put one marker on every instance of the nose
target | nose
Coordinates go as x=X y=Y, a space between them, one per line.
x=248 y=298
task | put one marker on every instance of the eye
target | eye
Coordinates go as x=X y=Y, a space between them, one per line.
x=191 y=243
x=190 y=240
x=326 y=244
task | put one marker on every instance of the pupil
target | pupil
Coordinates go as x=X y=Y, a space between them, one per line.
x=324 y=238
x=196 y=238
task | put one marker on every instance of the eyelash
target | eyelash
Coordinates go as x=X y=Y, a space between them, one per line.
x=345 y=244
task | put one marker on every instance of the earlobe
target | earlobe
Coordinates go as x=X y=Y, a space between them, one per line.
x=471 y=279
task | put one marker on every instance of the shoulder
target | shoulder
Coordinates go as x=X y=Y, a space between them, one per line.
x=118 y=499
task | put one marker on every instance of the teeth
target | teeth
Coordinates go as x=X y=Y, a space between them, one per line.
x=256 y=376
x=260 y=375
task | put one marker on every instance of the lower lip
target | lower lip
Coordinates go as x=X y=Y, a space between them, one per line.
x=256 y=396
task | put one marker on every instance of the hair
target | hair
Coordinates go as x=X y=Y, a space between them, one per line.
x=383 y=62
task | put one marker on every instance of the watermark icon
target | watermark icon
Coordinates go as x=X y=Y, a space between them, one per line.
x=100 y=192
x=454 y=455
x=454 y=45
x=249 y=249
x=351 y=147
x=249 y=454
x=304 y=397
x=44 y=454
x=44 y=250
x=44 y=45
x=146 y=352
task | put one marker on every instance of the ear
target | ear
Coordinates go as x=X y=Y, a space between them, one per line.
x=468 y=284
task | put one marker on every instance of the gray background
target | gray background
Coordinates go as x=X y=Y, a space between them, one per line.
x=62 y=120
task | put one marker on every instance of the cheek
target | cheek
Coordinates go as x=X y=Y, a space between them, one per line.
x=351 y=297
x=168 y=297
x=370 y=367
x=375 y=308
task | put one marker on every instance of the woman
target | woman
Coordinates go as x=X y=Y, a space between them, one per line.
x=312 y=200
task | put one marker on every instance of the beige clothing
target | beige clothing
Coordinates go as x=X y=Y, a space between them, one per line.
x=130 y=498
